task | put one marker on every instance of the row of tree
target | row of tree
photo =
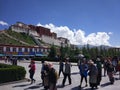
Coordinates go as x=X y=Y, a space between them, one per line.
x=89 y=53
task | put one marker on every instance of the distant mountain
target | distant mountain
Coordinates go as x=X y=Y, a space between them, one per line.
x=93 y=46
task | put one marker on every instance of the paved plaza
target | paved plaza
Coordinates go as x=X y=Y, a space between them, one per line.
x=25 y=85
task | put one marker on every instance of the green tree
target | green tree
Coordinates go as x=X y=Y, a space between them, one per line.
x=62 y=53
x=77 y=51
x=97 y=52
x=52 y=53
x=84 y=50
x=92 y=52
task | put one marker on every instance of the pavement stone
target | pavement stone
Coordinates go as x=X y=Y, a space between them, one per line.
x=25 y=85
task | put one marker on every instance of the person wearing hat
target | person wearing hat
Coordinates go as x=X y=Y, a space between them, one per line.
x=93 y=74
x=32 y=70
x=53 y=76
x=46 y=75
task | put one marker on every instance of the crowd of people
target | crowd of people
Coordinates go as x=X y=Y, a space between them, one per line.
x=49 y=75
x=12 y=60
x=91 y=68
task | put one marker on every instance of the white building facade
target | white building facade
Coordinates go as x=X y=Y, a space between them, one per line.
x=24 y=28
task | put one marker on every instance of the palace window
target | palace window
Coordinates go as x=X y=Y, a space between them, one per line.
x=1 y=49
x=20 y=50
x=14 y=49
x=26 y=49
x=8 y=49
x=31 y=49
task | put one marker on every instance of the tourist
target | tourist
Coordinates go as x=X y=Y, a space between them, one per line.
x=93 y=74
x=105 y=66
x=61 y=65
x=53 y=76
x=118 y=67
x=67 y=72
x=83 y=67
x=99 y=67
x=110 y=71
x=46 y=76
x=32 y=70
x=114 y=63
x=42 y=71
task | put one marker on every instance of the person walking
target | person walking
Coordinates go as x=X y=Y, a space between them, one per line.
x=61 y=65
x=67 y=72
x=42 y=71
x=105 y=66
x=118 y=68
x=110 y=71
x=93 y=74
x=32 y=70
x=83 y=67
x=114 y=63
x=53 y=76
x=99 y=67
x=45 y=75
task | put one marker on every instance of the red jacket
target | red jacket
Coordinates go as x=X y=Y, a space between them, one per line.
x=32 y=67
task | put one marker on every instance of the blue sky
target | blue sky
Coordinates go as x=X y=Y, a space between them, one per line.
x=95 y=22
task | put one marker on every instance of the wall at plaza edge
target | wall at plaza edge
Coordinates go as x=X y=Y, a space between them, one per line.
x=23 y=51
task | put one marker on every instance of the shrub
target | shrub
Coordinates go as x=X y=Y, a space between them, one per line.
x=11 y=73
x=45 y=59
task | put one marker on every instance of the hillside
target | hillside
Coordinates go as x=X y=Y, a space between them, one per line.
x=14 y=38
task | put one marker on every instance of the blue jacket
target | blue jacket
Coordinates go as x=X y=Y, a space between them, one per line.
x=83 y=70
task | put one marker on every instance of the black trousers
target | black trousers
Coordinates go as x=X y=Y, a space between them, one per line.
x=61 y=70
x=64 y=79
x=83 y=77
x=31 y=75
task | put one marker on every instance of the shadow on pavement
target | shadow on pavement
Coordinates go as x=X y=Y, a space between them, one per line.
x=78 y=88
x=105 y=84
x=32 y=87
x=22 y=85
x=61 y=86
x=74 y=73
x=117 y=78
x=88 y=89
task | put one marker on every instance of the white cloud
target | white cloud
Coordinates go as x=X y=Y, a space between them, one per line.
x=99 y=38
x=3 y=23
x=78 y=36
x=110 y=33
